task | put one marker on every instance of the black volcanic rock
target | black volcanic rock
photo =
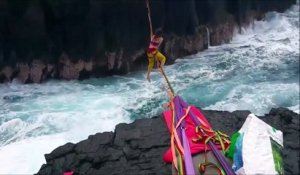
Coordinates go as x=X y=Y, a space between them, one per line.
x=111 y=36
x=137 y=148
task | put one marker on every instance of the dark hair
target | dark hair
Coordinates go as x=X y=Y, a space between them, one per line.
x=158 y=32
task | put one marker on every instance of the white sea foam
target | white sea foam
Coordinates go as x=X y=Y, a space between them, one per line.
x=258 y=70
x=26 y=156
x=259 y=98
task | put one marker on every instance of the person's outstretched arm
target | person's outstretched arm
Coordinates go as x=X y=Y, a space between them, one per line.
x=161 y=39
x=149 y=18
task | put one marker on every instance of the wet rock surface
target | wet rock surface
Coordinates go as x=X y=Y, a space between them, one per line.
x=84 y=38
x=137 y=148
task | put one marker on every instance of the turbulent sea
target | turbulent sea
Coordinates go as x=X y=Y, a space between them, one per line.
x=258 y=70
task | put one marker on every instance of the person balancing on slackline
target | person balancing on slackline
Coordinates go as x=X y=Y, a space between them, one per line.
x=155 y=41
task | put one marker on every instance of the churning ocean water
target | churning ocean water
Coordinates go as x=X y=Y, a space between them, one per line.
x=257 y=71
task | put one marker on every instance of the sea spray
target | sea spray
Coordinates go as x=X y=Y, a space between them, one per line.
x=258 y=70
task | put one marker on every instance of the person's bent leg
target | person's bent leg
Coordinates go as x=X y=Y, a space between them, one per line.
x=161 y=59
x=150 y=66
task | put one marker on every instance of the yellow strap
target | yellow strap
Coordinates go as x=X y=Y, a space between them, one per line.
x=206 y=129
x=217 y=137
x=173 y=152
x=182 y=118
x=197 y=139
x=175 y=139
x=202 y=168
x=178 y=142
x=223 y=134
x=174 y=132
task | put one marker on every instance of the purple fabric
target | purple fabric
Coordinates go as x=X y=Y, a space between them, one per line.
x=177 y=115
x=185 y=105
x=188 y=162
x=220 y=157
x=228 y=170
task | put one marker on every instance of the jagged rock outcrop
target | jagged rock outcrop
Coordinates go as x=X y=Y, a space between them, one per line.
x=112 y=36
x=137 y=148
x=37 y=71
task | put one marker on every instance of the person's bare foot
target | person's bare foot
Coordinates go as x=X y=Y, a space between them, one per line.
x=148 y=78
x=160 y=70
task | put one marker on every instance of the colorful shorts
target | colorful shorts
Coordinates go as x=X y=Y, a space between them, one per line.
x=155 y=55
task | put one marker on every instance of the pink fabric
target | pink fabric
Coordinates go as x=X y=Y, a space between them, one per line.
x=69 y=173
x=190 y=133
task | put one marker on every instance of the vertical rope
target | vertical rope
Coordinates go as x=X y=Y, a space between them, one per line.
x=149 y=18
